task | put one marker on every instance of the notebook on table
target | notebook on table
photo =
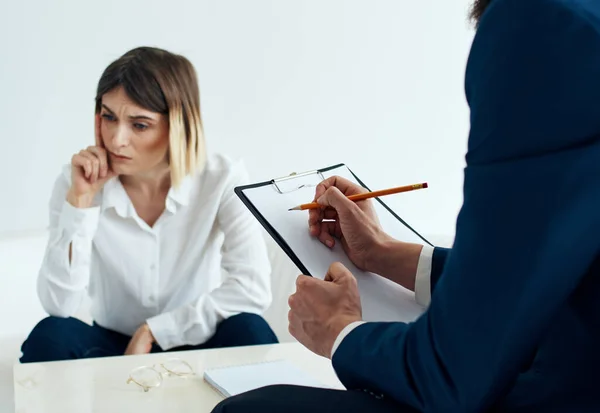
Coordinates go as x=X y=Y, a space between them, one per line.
x=382 y=299
x=233 y=380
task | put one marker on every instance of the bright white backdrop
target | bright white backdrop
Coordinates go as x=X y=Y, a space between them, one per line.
x=285 y=85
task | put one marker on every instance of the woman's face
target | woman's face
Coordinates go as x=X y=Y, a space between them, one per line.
x=136 y=139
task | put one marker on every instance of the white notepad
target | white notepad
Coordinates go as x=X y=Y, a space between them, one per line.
x=382 y=299
x=233 y=380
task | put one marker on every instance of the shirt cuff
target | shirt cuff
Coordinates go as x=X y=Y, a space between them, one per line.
x=80 y=221
x=165 y=331
x=423 y=278
x=343 y=335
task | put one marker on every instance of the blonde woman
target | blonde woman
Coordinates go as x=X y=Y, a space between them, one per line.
x=146 y=224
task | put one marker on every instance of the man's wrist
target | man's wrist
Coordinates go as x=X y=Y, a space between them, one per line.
x=343 y=334
x=338 y=325
x=396 y=260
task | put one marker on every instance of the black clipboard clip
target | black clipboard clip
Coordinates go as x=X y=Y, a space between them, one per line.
x=295 y=175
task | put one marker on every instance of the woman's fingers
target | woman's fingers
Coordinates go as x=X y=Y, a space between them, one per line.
x=94 y=165
x=80 y=161
x=100 y=153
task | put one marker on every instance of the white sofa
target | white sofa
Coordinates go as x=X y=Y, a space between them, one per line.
x=20 y=257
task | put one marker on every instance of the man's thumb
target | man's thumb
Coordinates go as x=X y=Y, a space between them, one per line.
x=337 y=273
x=334 y=198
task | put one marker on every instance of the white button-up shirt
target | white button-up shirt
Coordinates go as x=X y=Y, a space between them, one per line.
x=203 y=261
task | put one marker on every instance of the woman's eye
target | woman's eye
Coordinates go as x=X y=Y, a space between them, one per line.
x=140 y=126
x=108 y=116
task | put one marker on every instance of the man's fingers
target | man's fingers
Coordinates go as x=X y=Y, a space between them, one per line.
x=315 y=216
x=303 y=281
x=327 y=233
x=330 y=213
x=293 y=324
x=343 y=188
x=320 y=190
x=308 y=291
x=314 y=229
x=338 y=273
x=344 y=185
x=315 y=221
x=335 y=199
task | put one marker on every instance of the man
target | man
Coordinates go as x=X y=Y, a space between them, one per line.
x=514 y=319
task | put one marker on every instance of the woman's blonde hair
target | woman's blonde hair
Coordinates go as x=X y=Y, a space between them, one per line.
x=165 y=83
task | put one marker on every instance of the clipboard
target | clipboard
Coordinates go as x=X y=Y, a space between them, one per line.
x=268 y=201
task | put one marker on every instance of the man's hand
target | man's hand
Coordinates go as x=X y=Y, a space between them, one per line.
x=356 y=226
x=319 y=310
x=141 y=342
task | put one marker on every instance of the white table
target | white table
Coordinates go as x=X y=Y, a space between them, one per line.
x=99 y=385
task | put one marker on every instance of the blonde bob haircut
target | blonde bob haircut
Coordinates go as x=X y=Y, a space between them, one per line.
x=165 y=83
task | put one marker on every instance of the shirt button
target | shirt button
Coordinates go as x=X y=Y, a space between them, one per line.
x=153 y=266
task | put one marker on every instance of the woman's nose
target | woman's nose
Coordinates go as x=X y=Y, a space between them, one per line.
x=121 y=137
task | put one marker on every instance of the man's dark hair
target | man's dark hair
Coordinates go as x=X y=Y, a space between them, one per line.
x=477 y=10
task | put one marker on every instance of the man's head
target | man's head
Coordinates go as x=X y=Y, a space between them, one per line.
x=477 y=10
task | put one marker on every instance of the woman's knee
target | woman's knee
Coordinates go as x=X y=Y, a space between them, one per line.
x=247 y=329
x=49 y=336
x=53 y=327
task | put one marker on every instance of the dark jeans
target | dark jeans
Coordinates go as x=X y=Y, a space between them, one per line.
x=57 y=338
x=295 y=399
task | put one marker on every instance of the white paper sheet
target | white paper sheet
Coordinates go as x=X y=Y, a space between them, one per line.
x=381 y=299
x=233 y=380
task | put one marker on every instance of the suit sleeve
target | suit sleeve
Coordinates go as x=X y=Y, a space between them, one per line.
x=528 y=228
x=438 y=262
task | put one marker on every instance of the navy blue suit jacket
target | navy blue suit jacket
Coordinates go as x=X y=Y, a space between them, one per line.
x=514 y=320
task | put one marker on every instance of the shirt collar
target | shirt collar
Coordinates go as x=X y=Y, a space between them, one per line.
x=115 y=196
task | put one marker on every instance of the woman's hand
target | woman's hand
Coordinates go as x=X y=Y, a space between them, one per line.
x=141 y=342
x=89 y=172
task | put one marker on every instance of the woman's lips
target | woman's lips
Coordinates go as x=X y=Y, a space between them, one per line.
x=120 y=157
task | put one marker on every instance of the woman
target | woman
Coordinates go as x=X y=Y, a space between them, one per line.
x=146 y=223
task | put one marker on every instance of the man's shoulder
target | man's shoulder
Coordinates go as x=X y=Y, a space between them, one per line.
x=531 y=79
x=530 y=12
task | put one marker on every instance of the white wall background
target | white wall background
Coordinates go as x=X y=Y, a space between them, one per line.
x=286 y=85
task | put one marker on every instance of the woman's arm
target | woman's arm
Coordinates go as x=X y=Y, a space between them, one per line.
x=64 y=274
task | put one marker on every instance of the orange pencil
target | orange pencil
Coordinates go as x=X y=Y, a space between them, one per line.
x=366 y=195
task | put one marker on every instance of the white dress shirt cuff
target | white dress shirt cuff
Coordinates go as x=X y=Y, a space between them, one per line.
x=80 y=221
x=343 y=335
x=165 y=330
x=423 y=278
